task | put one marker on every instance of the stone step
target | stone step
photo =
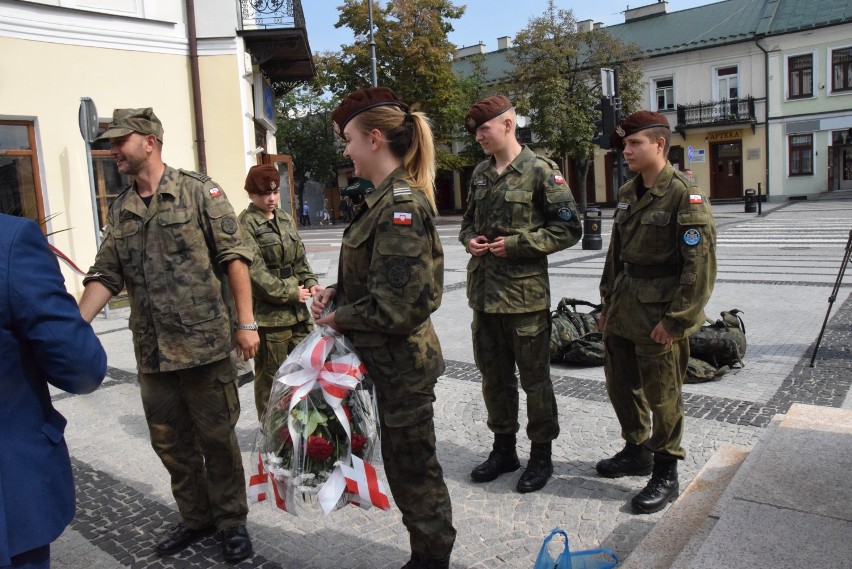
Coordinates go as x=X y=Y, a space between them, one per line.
x=787 y=503
x=686 y=523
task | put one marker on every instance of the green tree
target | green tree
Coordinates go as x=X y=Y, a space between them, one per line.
x=413 y=57
x=305 y=133
x=556 y=82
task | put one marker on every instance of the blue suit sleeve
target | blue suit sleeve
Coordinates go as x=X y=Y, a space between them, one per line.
x=47 y=318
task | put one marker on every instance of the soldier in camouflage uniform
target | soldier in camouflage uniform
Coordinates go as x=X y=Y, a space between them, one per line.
x=390 y=280
x=519 y=211
x=169 y=238
x=659 y=273
x=281 y=278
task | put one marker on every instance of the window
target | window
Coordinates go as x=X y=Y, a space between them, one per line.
x=108 y=181
x=801 y=155
x=800 y=73
x=664 y=89
x=727 y=82
x=841 y=69
x=20 y=186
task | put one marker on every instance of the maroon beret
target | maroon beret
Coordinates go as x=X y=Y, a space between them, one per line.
x=485 y=110
x=362 y=100
x=640 y=120
x=262 y=178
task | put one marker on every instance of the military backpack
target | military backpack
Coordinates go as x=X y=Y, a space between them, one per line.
x=699 y=371
x=574 y=336
x=721 y=343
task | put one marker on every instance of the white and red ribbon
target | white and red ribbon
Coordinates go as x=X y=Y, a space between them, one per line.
x=336 y=378
x=262 y=482
x=67 y=260
x=362 y=480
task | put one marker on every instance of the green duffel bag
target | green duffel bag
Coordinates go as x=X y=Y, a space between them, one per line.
x=721 y=343
x=570 y=327
x=699 y=371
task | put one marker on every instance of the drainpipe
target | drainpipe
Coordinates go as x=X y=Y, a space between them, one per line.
x=766 y=119
x=196 y=86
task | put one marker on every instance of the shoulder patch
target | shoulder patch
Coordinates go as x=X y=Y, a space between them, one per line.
x=401 y=218
x=692 y=237
x=215 y=192
x=695 y=198
x=399 y=273
x=229 y=224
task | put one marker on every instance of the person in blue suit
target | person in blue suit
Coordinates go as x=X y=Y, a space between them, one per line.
x=43 y=340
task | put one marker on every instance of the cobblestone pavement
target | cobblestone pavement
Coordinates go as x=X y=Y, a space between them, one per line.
x=124 y=500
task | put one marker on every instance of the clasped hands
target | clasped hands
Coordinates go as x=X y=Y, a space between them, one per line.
x=480 y=245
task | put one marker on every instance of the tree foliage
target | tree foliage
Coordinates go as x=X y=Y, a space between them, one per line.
x=413 y=57
x=556 y=82
x=305 y=133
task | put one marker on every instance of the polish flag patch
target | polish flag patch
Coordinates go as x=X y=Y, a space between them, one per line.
x=558 y=179
x=695 y=198
x=215 y=192
x=401 y=218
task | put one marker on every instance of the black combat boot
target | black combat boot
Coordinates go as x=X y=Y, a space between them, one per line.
x=632 y=460
x=419 y=561
x=661 y=489
x=538 y=470
x=504 y=458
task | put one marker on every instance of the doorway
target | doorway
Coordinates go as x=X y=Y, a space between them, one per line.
x=284 y=163
x=726 y=176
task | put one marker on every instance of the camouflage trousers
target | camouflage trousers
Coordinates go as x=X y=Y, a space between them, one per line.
x=645 y=384
x=191 y=415
x=275 y=344
x=414 y=475
x=501 y=341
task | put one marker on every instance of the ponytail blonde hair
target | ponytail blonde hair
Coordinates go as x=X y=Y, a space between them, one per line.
x=409 y=137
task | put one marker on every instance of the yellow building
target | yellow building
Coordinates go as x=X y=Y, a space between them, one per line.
x=210 y=75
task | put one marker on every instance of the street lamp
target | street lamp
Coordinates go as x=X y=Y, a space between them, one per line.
x=375 y=80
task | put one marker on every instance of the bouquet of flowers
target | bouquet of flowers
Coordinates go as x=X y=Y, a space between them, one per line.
x=318 y=437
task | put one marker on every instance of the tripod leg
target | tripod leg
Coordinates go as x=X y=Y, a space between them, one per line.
x=833 y=296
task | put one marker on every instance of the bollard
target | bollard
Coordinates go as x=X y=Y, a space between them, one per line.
x=750 y=201
x=592 y=229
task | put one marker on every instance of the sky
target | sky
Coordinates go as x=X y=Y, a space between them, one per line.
x=484 y=20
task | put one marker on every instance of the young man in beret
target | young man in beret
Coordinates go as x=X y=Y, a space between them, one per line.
x=172 y=239
x=659 y=273
x=281 y=278
x=519 y=211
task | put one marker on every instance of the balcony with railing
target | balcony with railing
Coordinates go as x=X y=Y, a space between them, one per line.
x=726 y=112
x=275 y=34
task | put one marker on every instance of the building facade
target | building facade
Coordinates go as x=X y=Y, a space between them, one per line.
x=210 y=70
x=757 y=92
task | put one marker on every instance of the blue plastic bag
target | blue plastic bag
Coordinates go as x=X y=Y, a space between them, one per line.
x=587 y=559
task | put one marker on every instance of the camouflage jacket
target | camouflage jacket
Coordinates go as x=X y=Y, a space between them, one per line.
x=670 y=230
x=531 y=206
x=279 y=267
x=172 y=256
x=390 y=280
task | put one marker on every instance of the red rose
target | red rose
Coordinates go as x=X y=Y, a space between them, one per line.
x=284 y=434
x=358 y=443
x=319 y=448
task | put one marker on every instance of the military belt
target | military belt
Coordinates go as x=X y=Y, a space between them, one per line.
x=649 y=271
x=285 y=272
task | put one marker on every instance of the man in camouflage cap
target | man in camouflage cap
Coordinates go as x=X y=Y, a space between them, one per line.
x=173 y=240
x=659 y=273
x=519 y=211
